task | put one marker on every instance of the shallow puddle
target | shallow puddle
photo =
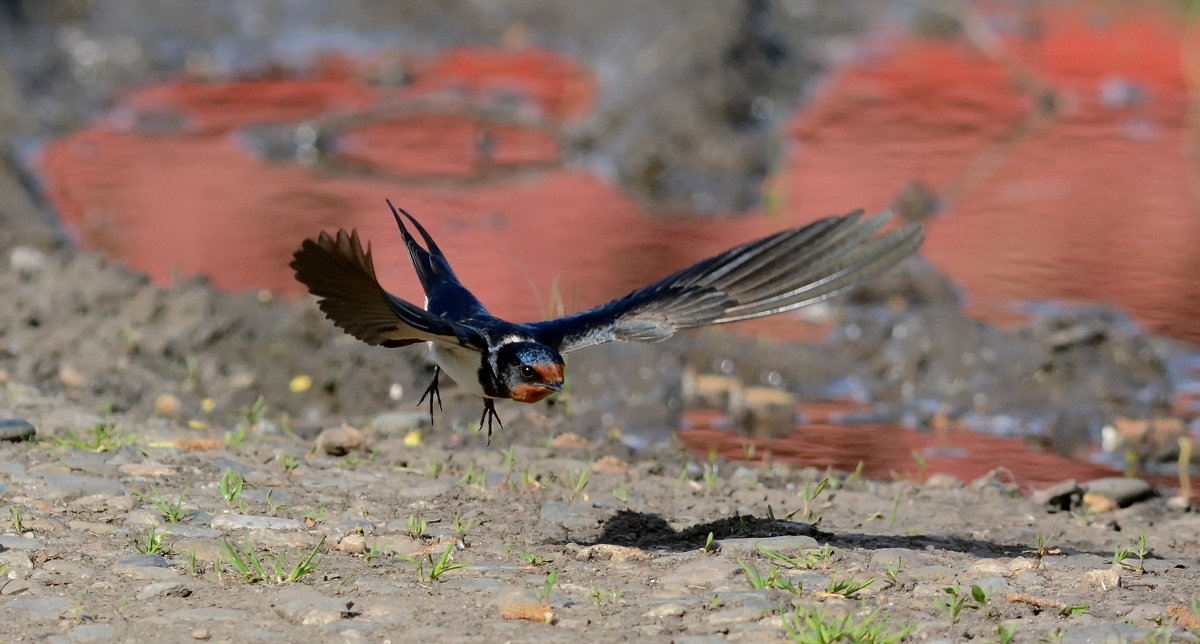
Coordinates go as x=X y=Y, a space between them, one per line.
x=1060 y=161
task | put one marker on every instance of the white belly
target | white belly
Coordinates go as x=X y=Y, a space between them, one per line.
x=462 y=365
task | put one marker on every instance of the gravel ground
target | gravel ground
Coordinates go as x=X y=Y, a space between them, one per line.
x=132 y=530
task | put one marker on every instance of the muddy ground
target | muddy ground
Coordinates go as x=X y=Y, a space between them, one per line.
x=142 y=400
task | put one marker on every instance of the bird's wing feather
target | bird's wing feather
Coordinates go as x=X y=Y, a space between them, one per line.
x=778 y=273
x=444 y=293
x=339 y=272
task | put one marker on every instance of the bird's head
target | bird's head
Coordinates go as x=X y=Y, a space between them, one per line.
x=530 y=371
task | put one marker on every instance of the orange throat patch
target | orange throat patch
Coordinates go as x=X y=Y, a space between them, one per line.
x=529 y=393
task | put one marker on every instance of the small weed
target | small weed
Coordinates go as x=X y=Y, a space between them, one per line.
x=1006 y=632
x=532 y=559
x=151 y=544
x=748 y=450
x=708 y=544
x=710 y=476
x=1043 y=548
x=806 y=560
x=547 y=587
x=311 y=516
x=683 y=471
x=273 y=508
x=15 y=513
x=101 y=437
x=230 y=486
x=473 y=475
x=847 y=587
x=577 y=483
x=1073 y=609
x=953 y=604
x=510 y=464
x=920 y=465
x=621 y=493
x=896 y=507
x=461 y=527
x=893 y=569
x=193 y=569
x=715 y=602
x=808 y=625
x=288 y=462
x=435 y=468
x=253 y=569
x=436 y=568
x=774 y=580
x=980 y=595
x=171 y=511
x=856 y=476
x=416 y=527
x=372 y=552
x=250 y=417
x=808 y=494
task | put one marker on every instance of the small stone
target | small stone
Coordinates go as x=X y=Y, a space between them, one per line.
x=339 y=441
x=1020 y=564
x=355 y=544
x=669 y=609
x=1123 y=491
x=989 y=567
x=610 y=465
x=613 y=553
x=935 y=574
x=200 y=634
x=13 y=542
x=70 y=377
x=1098 y=503
x=41 y=607
x=784 y=544
x=145 y=469
x=92 y=633
x=570 y=440
x=153 y=561
x=526 y=609
x=699 y=574
x=313 y=610
x=1059 y=498
x=147 y=567
x=943 y=481
x=164 y=589
x=233 y=521
x=167 y=405
x=892 y=556
x=399 y=544
x=1105 y=579
x=16 y=429
x=1104 y=632
x=63 y=485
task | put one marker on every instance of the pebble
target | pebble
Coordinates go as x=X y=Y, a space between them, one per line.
x=610 y=552
x=1104 y=633
x=164 y=589
x=16 y=429
x=63 y=485
x=13 y=542
x=308 y=609
x=92 y=633
x=145 y=469
x=1104 y=578
x=200 y=634
x=353 y=543
x=167 y=405
x=698 y=575
x=1059 y=498
x=148 y=567
x=209 y=614
x=254 y=522
x=943 y=481
x=668 y=609
x=784 y=544
x=1120 y=490
x=892 y=556
x=990 y=568
x=339 y=441
x=41 y=607
x=734 y=616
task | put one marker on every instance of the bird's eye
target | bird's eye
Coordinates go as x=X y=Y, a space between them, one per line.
x=527 y=371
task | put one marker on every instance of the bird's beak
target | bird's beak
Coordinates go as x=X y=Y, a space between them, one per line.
x=552 y=386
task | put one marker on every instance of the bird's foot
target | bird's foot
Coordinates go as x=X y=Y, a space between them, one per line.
x=432 y=392
x=489 y=413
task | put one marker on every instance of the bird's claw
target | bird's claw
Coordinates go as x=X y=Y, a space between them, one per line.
x=489 y=413
x=432 y=392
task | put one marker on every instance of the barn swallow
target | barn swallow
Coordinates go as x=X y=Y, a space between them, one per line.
x=523 y=361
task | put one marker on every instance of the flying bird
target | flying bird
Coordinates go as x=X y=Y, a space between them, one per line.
x=522 y=361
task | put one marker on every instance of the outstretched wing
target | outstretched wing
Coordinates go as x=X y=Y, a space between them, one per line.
x=784 y=271
x=443 y=292
x=341 y=274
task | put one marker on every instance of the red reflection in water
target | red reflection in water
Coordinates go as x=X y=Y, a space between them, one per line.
x=1087 y=201
x=886 y=450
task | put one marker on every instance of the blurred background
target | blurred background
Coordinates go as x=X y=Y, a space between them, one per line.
x=564 y=153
